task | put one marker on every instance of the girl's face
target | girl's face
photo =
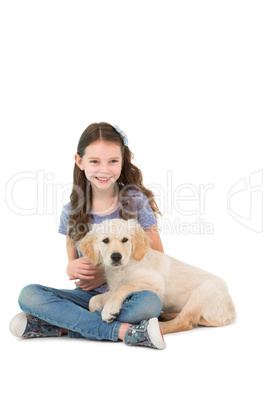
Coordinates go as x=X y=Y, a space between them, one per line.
x=102 y=163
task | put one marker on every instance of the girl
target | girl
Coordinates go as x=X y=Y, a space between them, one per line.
x=106 y=185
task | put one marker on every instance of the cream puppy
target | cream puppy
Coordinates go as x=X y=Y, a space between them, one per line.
x=190 y=296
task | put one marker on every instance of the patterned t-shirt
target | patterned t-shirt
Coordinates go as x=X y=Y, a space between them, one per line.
x=139 y=206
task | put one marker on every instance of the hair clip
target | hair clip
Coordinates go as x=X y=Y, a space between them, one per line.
x=119 y=131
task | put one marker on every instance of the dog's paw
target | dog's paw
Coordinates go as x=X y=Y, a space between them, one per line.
x=95 y=303
x=110 y=312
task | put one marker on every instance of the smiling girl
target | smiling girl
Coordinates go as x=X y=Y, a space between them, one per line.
x=106 y=185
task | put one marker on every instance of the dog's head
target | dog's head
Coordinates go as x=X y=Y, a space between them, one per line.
x=114 y=241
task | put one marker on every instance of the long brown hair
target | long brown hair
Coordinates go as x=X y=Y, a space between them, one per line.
x=81 y=196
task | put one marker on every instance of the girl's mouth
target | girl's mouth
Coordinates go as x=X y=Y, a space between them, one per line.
x=103 y=179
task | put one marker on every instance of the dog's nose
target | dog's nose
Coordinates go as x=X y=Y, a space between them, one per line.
x=116 y=257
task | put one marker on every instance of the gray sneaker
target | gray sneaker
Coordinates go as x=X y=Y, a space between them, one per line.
x=24 y=325
x=146 y=333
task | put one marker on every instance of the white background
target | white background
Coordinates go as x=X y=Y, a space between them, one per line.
x=187 y=81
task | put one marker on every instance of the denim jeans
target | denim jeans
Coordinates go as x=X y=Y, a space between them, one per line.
x=69 y=309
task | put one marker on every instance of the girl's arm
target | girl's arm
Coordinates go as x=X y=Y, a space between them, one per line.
x=78 y=268
x=71 y=250
x=156 y=243
x=81 y=268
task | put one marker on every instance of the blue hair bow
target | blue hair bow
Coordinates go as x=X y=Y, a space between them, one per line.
x=121 y=132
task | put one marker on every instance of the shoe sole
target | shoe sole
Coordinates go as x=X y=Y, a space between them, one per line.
x=18 y=324
x=155 y=333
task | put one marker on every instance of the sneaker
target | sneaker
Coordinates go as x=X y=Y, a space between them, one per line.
x=146 y=333
x=24 y=325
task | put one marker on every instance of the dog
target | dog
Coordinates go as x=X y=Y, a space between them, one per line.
x=190 y=296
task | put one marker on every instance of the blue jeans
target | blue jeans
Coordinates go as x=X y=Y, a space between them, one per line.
x=69 y=309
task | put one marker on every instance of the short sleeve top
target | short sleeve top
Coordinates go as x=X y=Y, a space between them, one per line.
x=140 y=208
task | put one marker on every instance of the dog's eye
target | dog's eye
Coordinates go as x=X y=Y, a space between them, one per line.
x=106 y=240
x=124 y=240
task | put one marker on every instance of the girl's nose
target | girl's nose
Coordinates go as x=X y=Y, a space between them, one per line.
x=104 y=168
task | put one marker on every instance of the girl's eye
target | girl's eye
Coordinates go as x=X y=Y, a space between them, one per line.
x=93 y=162
x=106 y=241
x=124 y=240
x=114 y=161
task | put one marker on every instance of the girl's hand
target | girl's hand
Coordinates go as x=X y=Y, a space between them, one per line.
x=80 y=268
x=97 y=279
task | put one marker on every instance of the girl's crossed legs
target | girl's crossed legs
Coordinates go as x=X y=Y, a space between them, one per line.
x=68 y=309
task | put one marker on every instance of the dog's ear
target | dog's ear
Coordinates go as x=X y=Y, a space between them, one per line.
x=89 y=248
x=140 y=243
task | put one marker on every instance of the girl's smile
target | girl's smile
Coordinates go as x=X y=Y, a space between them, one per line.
x=103 y=179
